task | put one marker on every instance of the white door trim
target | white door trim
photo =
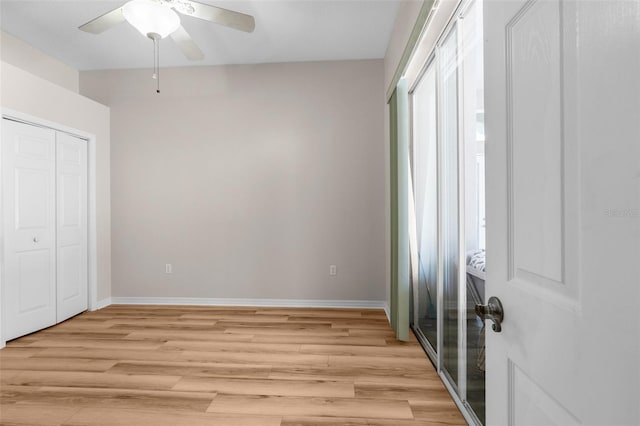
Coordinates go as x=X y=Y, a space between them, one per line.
x=92 y=245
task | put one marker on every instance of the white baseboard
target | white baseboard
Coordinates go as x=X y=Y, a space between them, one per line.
x=387 y=311
x=285 y=303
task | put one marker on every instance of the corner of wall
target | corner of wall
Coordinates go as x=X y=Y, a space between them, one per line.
x=26 y=57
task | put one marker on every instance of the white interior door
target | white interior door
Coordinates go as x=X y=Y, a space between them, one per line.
x=28 y=190
x=71 y=172
x=562 y=99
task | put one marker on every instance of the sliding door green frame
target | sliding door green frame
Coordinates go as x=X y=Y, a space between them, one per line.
x=421 y=22
x=399 y=214
x=397 y=98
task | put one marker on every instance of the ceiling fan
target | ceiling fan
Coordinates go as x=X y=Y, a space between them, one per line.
x=158 y=19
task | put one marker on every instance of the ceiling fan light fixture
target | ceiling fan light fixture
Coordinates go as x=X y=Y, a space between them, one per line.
x=151 y=18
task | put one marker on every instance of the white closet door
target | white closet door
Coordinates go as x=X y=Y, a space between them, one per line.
x=71 y=171
x=28 y=187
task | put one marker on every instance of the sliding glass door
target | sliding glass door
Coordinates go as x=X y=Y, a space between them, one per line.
x=448 y=178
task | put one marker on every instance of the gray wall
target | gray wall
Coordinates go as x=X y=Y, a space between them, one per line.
x=250 y=180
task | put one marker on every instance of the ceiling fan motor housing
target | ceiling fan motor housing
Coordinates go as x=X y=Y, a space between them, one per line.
x=152 y=18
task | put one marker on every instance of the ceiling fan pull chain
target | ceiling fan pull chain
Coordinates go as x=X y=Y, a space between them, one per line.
x=158 y=66
x=156 y=62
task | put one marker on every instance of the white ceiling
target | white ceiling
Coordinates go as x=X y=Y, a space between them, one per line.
x=286 y=31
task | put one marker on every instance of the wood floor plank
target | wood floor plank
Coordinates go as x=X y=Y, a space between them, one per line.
x=235 y=317
x=316 y=388
x=398 y=377
x=256 y=358
x=112 y=417
x=215 y=346
x=81 y=324
x=300 y=331
x=372 y=361
x=200 y=365
x=96 y=380
x=324 y=421
x=23 y=342
x=386 y=334
x=298 y=406
x=109 y=398
x=312 y=312
x=81 y=333
x=320 y=340
x=57 y=364
x=281 y=326
x=363 y=323
x=356 y=375
x=34 y=414
x=185 y=309
x=6 y=375
x=96 y=344
x=192 y=369
x=433 y=391
x=115 y=354
x=351 y=421
x=162 y=322
x=437 y=413
x=333 y=316
x=165 y=335
x=13 y=351
x=338 y=349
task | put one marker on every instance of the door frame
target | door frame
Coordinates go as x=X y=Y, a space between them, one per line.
x=92 y=243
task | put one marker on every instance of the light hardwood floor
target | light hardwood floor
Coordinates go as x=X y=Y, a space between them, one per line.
x=192 y=366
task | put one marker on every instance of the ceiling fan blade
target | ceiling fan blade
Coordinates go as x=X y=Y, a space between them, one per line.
x=221 y=16
x=103 y=22
x=186 y=44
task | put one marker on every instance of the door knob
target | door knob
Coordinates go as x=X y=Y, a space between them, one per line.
x=35 y=239
x=492 y=311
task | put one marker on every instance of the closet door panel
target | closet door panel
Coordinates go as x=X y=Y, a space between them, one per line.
x=71 y=166
x=28 y=188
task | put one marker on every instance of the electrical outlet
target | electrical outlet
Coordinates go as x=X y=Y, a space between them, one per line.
x=168 y=269
x=333 y=270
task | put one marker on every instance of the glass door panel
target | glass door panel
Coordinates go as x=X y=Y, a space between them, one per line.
x=473 y=128
x=448 y=57
x=425 y=168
